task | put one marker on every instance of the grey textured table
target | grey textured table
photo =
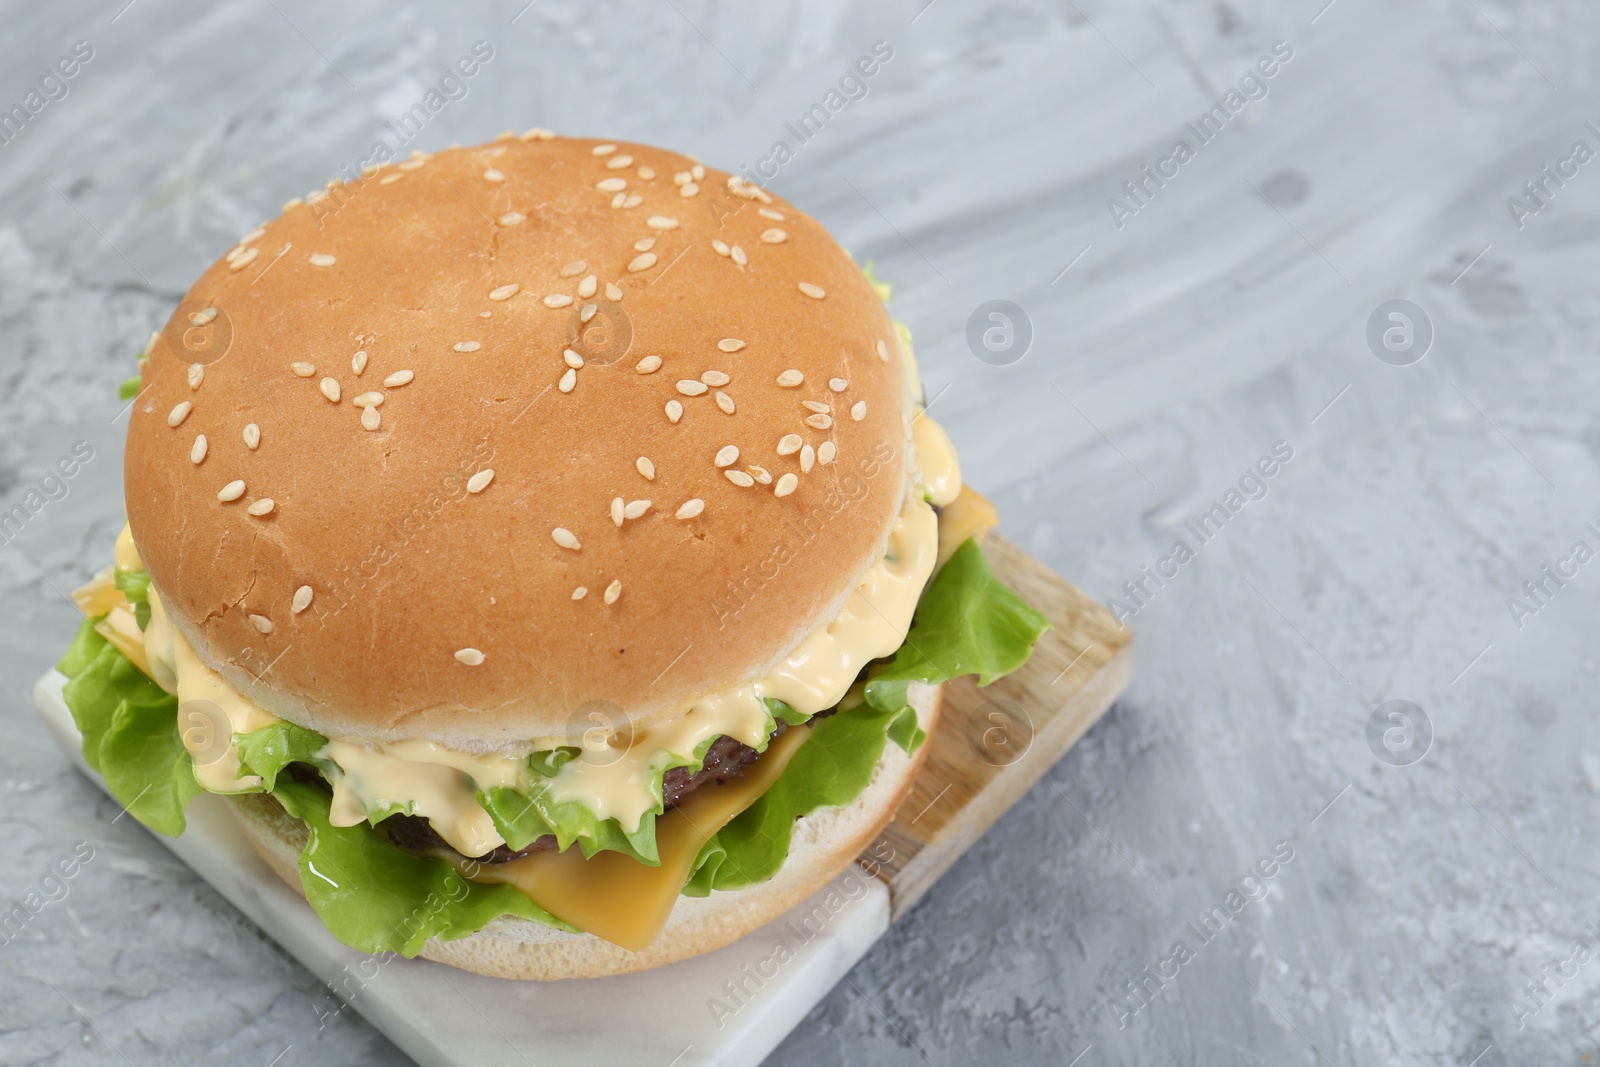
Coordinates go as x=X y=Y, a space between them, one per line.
x=1433 y=911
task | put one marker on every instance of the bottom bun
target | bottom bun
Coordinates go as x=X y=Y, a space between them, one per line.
x=824 y=844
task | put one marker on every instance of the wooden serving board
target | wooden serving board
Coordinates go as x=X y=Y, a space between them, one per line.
x=990 y=746
x=993 y=743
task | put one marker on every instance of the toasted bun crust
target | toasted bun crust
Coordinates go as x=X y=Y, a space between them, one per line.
x=824 y=844
x=407 y=566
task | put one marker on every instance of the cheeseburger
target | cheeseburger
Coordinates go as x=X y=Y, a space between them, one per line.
x=543 y=547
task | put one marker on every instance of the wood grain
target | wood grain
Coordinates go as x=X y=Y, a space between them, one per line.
x=993 y=743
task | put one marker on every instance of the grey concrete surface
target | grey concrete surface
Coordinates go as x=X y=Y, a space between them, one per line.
x=1437 y=912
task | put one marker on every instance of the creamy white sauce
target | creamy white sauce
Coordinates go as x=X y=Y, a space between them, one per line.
x=441 y=784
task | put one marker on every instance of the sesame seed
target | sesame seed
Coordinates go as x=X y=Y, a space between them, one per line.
x=727 y=455
x=234 y=253
x=603 y=149
x=645 y=467
x=571 y=358
x=412 y=164
x=740 y=478
x=261 y=623
x=632 y=201
x=467 y=346
x=613 y=591
x=611 y=185
x=390 y=179
x=619 y=162
x=788 y=444
x=565 y=538
x=681 y=177
x=647 y=173
x=303 y=370
x=263 y=506
x=815 y=405
x=370 y=419
x=302 y=599
x=569 y=380
x=588 y=312
x=674 y=411
x=587 y=287
x=573 y=269
x=774 y=236
x=790 y=378
x=197 y=451
x=321 y=259
x=398 y=378
x=492 y=175
x=367 y=400
x=557 y=300
x=760 y=474
x=252 y=436
x=714 y=377
x=292 y=203
x=690 y=387
x=469 y=656
x=826 y=452
x=686 y=190
x=636 y=508
x=617 y=508
x=358 y=362
x=644 y=262
x=730 y=344
x=719 y=247
x=510 y=218
x=232 y=491
x=819 y=421
x=738 y=255
x=203 y=317
x=504 y=292
x=580 y=592
x=690 y=508
x=808 y=459
x=644 y=244
x=504 y=135
x=725 y=402
x=254 y=235
x=245 y=260
x=838 y=385
x=815 y=292
x=648 y=365
x=181 y=412
x=480 y=481
x=698 y=172
x=330 y=389
x=858 y=410
x=768 y=213
x=613 y=292
x=786 y=485
x=661 y=222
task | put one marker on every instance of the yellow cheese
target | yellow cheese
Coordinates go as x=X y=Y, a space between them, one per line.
x=122 y=630
x=126 y=553
x=969 y=515
x=99 y=594
x=615 y=896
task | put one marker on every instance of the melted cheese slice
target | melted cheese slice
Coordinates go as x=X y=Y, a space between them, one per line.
x=615 y=896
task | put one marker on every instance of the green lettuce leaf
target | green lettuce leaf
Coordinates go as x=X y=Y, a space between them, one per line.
x=376 y=898
x=269 y=750
x=523 y=819
x=828 y=771
x=129 y=388
x=130 y=731
x=885 y=290
x=135 y=586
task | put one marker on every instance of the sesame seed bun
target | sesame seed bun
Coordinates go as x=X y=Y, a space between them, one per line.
x=824 y=844
x=399 y=443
